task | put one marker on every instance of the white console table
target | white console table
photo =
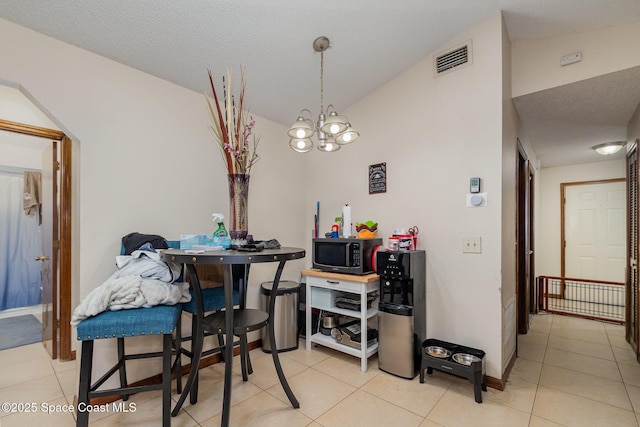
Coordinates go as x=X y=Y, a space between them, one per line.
x=322 y=288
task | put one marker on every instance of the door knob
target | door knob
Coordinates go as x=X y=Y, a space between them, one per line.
x=42 y=258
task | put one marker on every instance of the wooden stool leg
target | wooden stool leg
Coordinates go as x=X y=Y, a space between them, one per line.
x=243 y=356
x=122 y=369
x=86 y=361
x=249 y=367
x=221 y=343
x=166 y=380
x=178 y=363
x=193 y=394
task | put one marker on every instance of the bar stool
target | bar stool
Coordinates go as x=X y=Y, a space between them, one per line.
x=158 y=320
x=245 y=320
x=213 y=302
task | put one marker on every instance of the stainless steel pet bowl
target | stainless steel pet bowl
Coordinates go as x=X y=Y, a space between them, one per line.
x=436 y=351
x=465 y=359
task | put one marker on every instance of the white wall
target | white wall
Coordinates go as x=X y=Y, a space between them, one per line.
x=21 y=150
x=510 y=128
x=548 y=229
x=536 y=64
x=433 y=134
x=16 y=106
x=144 y=159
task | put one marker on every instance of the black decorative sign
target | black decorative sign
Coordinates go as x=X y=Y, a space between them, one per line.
x=378 y=178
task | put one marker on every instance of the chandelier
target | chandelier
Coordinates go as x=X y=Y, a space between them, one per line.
x=332 y=129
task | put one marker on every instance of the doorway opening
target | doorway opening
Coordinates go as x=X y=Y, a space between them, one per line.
x=526 y=291
x=57 y=314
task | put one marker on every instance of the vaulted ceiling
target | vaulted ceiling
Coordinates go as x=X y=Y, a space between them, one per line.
x=372 y=41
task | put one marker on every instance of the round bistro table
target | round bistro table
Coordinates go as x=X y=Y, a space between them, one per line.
x=228 y=258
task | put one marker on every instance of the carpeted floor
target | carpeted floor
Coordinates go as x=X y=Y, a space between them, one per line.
x=19 y=330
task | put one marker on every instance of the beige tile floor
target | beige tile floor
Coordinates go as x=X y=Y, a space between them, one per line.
x=569 y=372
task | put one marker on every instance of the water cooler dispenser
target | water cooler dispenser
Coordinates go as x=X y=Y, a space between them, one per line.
x=402 y=311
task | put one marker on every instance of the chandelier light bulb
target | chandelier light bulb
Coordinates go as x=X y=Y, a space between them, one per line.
x=334 y=124
x=328 y=146
x=348 y=136
x=301 y=145
x=332 y=146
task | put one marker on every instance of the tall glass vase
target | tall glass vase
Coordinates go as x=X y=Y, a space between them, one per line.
x=238 y=208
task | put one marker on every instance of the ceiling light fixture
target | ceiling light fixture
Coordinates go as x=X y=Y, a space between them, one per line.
x=609 y=147
x=332 y=129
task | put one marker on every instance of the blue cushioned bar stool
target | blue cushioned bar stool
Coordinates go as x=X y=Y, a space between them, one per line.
x=160 y=320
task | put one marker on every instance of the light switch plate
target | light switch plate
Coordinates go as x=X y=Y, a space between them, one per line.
x=472 y=245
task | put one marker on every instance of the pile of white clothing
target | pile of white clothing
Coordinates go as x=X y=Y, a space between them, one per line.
x=130 y=292
x=146 y=264
x=142 y=280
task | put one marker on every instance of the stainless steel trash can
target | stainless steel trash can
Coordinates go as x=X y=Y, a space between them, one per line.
x=285 y=316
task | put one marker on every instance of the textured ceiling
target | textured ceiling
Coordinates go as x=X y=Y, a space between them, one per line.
x=565 y=122
x=372 y=41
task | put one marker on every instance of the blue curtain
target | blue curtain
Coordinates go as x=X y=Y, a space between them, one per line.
x=20 y=243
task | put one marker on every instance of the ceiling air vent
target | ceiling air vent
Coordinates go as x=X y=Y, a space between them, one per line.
x=448 y=61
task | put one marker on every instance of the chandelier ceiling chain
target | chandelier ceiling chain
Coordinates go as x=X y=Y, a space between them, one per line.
x=331 y=129
x=322 y=80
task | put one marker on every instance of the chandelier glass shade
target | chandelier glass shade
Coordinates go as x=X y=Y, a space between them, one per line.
x=332 y=130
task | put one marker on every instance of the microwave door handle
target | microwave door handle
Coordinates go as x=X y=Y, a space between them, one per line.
x=347 y=261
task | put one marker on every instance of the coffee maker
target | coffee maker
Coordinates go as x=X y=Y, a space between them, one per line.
x=402 y=311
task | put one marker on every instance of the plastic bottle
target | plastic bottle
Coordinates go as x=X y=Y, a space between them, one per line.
x=335 y=230
x=220 y=236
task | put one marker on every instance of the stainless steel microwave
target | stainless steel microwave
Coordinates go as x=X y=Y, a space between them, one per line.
x=345 y=255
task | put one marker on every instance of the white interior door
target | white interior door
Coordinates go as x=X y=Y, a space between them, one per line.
x=595 y=231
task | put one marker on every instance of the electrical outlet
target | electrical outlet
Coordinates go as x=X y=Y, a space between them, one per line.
x=472 y=245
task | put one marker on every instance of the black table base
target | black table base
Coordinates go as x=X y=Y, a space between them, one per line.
x=225 y=321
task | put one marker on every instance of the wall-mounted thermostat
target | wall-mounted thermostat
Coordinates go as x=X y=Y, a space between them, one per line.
x=474 y=185
x=476 y=200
